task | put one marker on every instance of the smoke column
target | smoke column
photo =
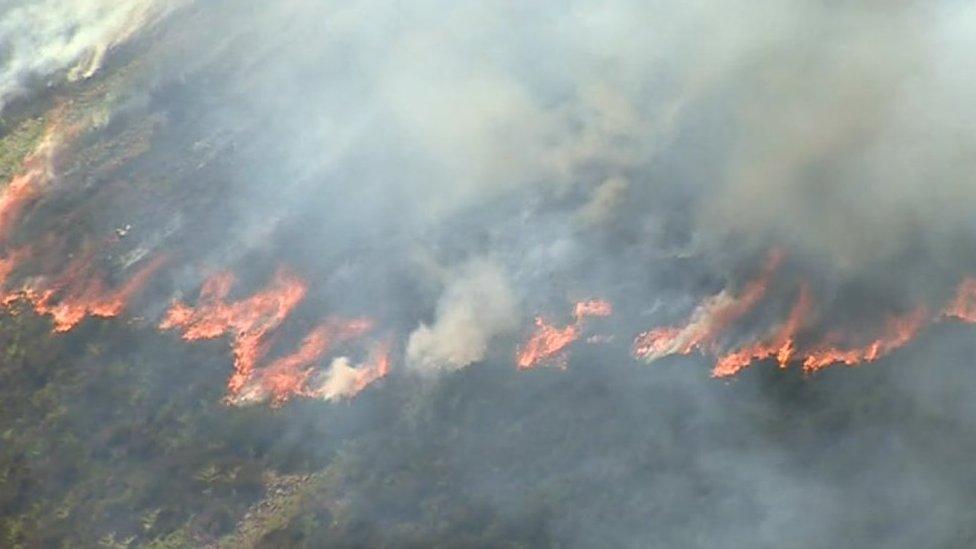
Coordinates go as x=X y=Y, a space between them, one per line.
x=596 y=273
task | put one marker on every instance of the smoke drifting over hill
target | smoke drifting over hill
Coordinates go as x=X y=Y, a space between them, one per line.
x=409 y=203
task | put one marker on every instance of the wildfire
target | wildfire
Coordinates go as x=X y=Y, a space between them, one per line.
x=290 y=375
x=343 y=380
x=548 y=340
x=781 y=345
x=713 y=316
x=7 y=265
x=19 y=191
x=80 y=292
x=79 y=289
x=251 y=322
x=35 y=171
x=963 y=306
x=709 y=320
x=593 y=307
x=898 y=331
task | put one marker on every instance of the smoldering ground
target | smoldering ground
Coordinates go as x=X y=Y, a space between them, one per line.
x=453 y=170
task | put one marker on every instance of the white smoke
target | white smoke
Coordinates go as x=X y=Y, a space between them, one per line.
x=604 y=201
x=39 y=39
x=477 y=305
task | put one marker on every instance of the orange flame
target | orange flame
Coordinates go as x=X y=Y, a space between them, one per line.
x=36 y=170
x=898 y=331
x=7 y=264
x=963 y=306
x=781 y=344
x=19 y=191
x=709 y=320
x=249 y=322
x=548 y=340
x=343 y=381
x=593 y=307
x=712 y=317
x=289 y=375
x=78 y=294
x=79 y=290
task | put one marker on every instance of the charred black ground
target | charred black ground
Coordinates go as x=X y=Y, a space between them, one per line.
x=450 y=172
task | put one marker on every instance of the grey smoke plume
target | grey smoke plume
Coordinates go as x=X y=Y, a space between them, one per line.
x=476 y=306
x=47 y=39
x=542 y=153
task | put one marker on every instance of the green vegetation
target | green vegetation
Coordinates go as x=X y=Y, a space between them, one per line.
x=125 y=442
x=95 y=435
x=16 y=143
x=114 y=434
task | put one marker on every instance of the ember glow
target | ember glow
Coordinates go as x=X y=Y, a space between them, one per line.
x=249 y=322
x=710 y=319
x=78 y=289
x=433 y=246
x=81 y=292
x=78 y=292
x=18 y=192
x=963 y=306
x=290 y=374
x=898 y=331
x=782 y=345
x=548 y=341
x=343 y=380
x=252 y=322
x=594 y=307
x=35 y=171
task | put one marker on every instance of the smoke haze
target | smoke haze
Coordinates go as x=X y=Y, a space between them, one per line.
x=377 y=219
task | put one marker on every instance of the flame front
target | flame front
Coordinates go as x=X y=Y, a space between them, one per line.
x=546 y=342
x=593 y=307
x=549 y=341
x=79 y=289
x=713 y=316
x=35 y=172
x=898 y=331
x=344 y=381
x=782 y=345
x=249 y=321
x=963 y=306
x=290 y=375
x=709 y=320
x=79 y=293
